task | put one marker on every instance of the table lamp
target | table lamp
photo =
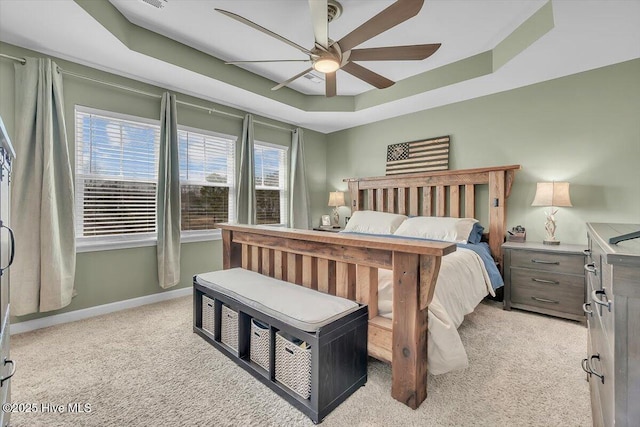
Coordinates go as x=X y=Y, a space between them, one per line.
x=552 y=194
x=336 y=198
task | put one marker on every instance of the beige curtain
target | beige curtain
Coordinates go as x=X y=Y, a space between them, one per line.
x=246 y=201
x=168 y=195
x=299 y=206
x=42 y=205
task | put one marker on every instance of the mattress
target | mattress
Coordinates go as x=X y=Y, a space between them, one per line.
x=462 y=283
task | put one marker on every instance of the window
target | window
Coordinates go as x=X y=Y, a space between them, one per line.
x=207 y=163
x=116 y=175
x=270 y=179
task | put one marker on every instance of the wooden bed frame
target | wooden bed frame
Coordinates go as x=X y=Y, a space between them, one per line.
x=347 y=265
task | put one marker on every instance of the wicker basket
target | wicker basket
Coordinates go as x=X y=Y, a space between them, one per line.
x=260 y=343
x=293 y=366
x=229 y=327
x=208 y=315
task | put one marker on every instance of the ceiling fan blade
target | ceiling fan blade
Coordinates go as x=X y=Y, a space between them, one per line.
x=267 y=60
x=320 y=22
x=262 y=29
x=395 y=14
x=394 y=53
x=330 y=84
x=286 y=82
x=367 y=75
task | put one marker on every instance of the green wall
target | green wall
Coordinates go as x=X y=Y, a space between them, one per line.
x=107 y=276
x=583 y=128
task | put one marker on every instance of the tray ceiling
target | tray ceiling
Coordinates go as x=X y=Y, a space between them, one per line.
x=487 y=47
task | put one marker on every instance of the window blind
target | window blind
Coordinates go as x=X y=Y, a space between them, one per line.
x=207 y=165
x=270 y=179
x=116 y=174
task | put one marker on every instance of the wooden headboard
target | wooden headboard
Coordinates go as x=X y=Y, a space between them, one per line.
x=431 y=193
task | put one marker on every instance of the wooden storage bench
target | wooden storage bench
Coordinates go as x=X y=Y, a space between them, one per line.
x=314 y=378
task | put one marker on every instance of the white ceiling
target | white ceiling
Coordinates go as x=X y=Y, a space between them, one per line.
x=195 y=23
x=587 y=35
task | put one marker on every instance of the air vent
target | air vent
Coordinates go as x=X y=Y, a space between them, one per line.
x=156 y=3
x=313 y=78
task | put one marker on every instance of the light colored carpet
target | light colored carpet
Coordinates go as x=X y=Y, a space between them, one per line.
x=145 y=367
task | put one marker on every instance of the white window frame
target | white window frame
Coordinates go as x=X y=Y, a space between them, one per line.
x=187 y=236
x=98 y=243
x=283 y=182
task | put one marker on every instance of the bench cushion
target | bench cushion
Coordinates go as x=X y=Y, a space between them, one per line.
x=300 y=307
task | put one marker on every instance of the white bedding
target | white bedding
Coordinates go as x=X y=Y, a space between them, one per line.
x=462 y=283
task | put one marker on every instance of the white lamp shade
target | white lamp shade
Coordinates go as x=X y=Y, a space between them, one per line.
x=336 y=198
x=552 y=194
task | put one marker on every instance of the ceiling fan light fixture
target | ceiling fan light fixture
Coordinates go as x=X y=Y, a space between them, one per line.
x=326 y=65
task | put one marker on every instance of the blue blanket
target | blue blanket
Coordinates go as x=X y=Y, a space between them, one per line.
x=481 y=249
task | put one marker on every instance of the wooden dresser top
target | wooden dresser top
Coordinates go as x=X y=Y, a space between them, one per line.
x=626 y=252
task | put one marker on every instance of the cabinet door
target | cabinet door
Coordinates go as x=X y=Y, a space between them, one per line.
x=6 y=370
x=4 y=243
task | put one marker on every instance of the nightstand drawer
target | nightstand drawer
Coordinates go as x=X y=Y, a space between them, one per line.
x=551 y=281
x=566 y=299
x=561 y=263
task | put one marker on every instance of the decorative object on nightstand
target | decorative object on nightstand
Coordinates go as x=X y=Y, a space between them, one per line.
x=517 y=234
x=545 y=279
x=336 y=198
x=552 y=194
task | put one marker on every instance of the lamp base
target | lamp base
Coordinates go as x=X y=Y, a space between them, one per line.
x=551 y=242
x=335 y=218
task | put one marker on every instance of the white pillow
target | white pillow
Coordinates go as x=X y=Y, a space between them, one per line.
x=455 y=230
x=373 y=222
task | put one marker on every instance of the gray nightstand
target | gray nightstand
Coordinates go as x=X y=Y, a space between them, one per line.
x=545 y=279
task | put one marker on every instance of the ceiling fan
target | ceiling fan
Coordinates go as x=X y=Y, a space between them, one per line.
x=328 y=56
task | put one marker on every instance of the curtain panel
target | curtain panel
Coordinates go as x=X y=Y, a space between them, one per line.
x=42 y=200
x=299 y=206
x=246 y=199
x=168 y=195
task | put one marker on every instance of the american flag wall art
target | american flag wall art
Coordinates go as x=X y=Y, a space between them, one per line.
x=418 y=156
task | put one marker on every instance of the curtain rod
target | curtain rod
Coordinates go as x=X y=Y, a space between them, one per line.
x=20 y=60
x=153 y=95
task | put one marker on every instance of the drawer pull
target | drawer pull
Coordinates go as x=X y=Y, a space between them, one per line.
x=586 y=368
x=549 y=301
x=587 y=252
x=590 y=268
x=13 y=370
x=551 y=282
x=601 y=376
x=585 y=308
x=597 y=300
x=13 y=248
x=542 y=261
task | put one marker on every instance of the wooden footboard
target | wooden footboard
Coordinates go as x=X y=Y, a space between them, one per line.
x=347 y=265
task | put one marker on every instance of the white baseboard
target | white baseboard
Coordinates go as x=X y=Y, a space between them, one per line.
x=72 y=316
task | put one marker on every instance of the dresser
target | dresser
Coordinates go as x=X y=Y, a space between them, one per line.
x=612 y=361
x=7 y=366
x=546 y=279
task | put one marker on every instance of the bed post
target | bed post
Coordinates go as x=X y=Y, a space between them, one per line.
x=497 y=213
x=354 y=196
x=231 y=252
x=409 y=352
